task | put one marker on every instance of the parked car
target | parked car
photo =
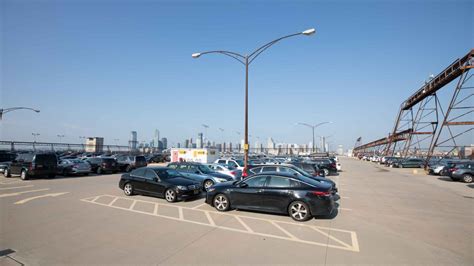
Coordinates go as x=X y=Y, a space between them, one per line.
x=6 y=159
x=226 y=170
x=326 y=165
x=410 y=162
x=101 y=165
x=239 y=164
x=73 y=167
x=463 y=172
x=300 y=198
x=160 y=182
x=293 y=170
x=29 y=165
x=311 y=168
x=200 y=172
x=157 y=158
x=129 y=162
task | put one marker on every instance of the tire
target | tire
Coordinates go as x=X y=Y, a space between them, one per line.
x=86 y=174
x=326 y=172
x=467 y=178
x=221 y=202
x=207 y=184
x=24 y=175
x=6 y=173
x=99 y=171
x=128 y=189
x=51 y=176
x=170 y=195
x=299 y=211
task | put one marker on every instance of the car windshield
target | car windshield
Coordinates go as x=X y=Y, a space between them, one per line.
x=75 y=161
x=167 y=173
x=240 y=162
x=302 y=172
x=205 y=169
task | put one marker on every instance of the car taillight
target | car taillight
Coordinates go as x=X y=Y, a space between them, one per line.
x=31 y=166
x=452 y=169
x=234 y=173
x=321 y=193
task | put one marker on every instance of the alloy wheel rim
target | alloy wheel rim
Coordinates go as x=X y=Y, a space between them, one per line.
x=468 y=179
x=23 y=175
x=128 y=189
x=169 y=195
x=208 y=184
x=220 y=202
x=299 y=211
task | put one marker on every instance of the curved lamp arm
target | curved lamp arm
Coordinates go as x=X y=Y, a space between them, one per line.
x=234 y=55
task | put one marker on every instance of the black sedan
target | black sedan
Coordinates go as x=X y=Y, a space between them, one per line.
x=161 y=182
x=301 y=198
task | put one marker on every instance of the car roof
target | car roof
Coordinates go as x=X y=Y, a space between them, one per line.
x=275 y=173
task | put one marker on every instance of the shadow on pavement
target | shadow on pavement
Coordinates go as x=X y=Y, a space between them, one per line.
x=470 y=185
x=445 y=179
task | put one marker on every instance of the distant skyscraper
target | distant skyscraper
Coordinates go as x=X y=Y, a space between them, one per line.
x=164 y=141
x=186 y=143
x=132 y=143
x=199 y=141
x=156 y=138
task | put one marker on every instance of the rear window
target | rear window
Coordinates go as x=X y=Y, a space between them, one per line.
x=46 y=158
x=140 y=159
x=108 y=160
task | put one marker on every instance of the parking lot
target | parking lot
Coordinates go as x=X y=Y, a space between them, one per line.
x=385 y=215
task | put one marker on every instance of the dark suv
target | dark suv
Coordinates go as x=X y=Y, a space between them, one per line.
x=5 y=160
x=102 y=165
x=129 y=162
x=33 y=165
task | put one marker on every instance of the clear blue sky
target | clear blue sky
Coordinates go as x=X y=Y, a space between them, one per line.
x=104 y=68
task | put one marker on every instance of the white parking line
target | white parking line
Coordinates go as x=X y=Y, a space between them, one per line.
x=345 y=198
x=22 y=192
x=41 y=196
x=345 y=209
x=6 y=188
x=198 y=206
x=245 y=221
x=13 y=182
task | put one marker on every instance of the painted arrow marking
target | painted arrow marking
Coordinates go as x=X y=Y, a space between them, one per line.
x=41 y=196
x=22 y=192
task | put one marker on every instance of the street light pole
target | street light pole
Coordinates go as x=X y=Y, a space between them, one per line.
x=246 y=61
x=4 y=111
x=60 y=138
x=313 y=127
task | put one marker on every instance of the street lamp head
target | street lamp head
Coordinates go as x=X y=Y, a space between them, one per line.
x=196 y=55
x=309 y=32
x=36 y=110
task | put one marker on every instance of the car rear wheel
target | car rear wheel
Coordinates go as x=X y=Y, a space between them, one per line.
x=207 y=184
x=467 y=178
x=128 y=189
x=299 y=211
x=6 y=173
x=170 y=195
x=24 y=175
x=221 y=203
x=326 y=172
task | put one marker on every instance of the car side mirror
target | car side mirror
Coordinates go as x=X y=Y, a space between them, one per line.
x=243 y=184
x=156 y=179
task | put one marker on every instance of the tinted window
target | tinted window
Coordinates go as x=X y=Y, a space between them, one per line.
x=256 y=170
x=258 y=181
x=139 y=172
x=278 y=181
x=172 y=166
x=182 y=167
x=140 y=159
x=167 y=173
x=240 y=162
x=108 y=160
x=150 y=174
x=232 y=164
x=269 y=169
x=221 y=161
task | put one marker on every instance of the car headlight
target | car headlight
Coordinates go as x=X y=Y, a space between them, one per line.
x=182 y=188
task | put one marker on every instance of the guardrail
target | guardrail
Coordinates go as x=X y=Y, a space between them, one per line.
x=51 y=146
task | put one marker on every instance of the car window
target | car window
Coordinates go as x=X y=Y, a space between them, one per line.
x=232 y=164
x=278 y=181
x=221 y=161
x=182 y=167
x=258 y=181
x=139 y=172
x=172 y=166
x=150 y=174
x=140 y=159
x=269 y=169
x=256 y=170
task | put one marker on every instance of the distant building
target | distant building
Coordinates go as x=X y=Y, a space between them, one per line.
x=199 y=141
x=186 y=143
x=133 y=143
x=164 y=141
x=95 y=144
x=340 y=150
x=156 y=139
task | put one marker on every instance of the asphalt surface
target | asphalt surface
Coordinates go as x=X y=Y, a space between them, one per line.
x=385 y=216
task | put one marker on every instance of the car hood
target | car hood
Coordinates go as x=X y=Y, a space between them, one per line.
x=220 y=175
x=223 y=185
x=183 y=181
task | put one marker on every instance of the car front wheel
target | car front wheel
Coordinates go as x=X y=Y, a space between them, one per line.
x=6 y=173
x=467 y=178
x=208 y=184
x=128 y=189
x=221 y=203
x=24 y=175
x=170 y=195
x=299 y=211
